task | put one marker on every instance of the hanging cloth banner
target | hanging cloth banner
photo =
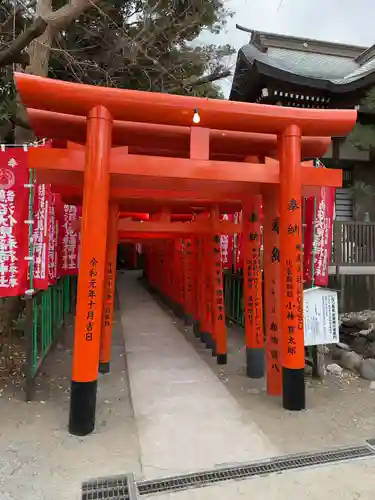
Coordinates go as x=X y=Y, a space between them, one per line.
x=59 y=214
x=41 y=236
x=69 y=241
x=14 y=205
x=319 y=213
x=239 y=245
x=53 y=240
x=79 y=232
x=308 y=236
x=226 y=241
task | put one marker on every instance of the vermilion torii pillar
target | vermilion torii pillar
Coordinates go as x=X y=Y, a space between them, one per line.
x=271 y=267
x=88 y=323
x=209 y=298
x=219 y=331
x=189 y=262
x=253 y=306
x=109 y=289
x=293 y=346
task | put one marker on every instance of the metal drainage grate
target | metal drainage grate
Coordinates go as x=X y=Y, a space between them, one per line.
x=273 y=465
x=114 y=488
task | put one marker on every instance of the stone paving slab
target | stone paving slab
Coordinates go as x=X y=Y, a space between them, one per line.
x=186 y=418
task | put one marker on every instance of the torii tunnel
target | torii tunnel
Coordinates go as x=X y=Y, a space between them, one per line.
x=136 y=152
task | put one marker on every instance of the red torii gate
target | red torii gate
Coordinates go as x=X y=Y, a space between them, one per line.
x=112 y=172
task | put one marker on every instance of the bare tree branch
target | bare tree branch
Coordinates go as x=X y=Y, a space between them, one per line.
x=62 y=17
x=20 y=122
x=55 y=21
x=12 y=53
x=7 y=24
x=213 y=77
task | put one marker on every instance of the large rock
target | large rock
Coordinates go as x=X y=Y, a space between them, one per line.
x=368 y=334
x=367 y=369
x=334 y=369
x=350 y=360
x=342 y=345
x=371 y=316
x=355 y=323
x=370 y=351
x=336 y=353
x=360 y=345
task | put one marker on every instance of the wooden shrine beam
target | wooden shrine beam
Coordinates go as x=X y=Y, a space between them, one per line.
x=134 y=215
x=167 y=109
x=139 y=237
x=176 y=196
x=147 y=138
x=146 y=216
x=153 y=200
x=156 y=226
x=157 y=172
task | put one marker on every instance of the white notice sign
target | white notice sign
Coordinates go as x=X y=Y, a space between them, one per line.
x=321 y=316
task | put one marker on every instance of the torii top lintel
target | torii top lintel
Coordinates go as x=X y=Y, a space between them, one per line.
x=151 y=107
x=168 y=140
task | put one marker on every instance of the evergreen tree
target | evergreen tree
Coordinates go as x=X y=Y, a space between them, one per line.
x=150 y=45
x=145 y=45
x=363 y=134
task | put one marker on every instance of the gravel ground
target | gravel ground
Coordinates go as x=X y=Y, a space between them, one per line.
x=340 y=411
x=40 y=460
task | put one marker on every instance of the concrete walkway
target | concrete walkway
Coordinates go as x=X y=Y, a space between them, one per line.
x=186 y=419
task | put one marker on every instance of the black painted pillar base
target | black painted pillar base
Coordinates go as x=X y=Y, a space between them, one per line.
x=213 y=347
x=82 y=408
x=205 y=338
x=179 y=310
x=104 y=368
x=196 y=329
x=294 y=392
x=221 y=359
x=189 y=320
x=255 y=363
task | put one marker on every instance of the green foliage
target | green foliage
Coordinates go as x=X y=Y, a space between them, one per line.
x=363 y=136
x=7 y=96
x=20 y=323
x=144 y=45
x=368 y=103
x=150 y=45
x=363 y=189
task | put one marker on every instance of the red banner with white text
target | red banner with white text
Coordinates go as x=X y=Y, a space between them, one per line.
x=319 y=213
x=42 y=203
x=226 y=241
x=14 y=208
x=238 y=249
x=69 y=241
x=53 y=242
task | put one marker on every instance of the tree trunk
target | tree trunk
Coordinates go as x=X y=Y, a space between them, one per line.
x=39 y=53
x=40 y=48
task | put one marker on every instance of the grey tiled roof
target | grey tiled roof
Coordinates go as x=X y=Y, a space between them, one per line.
x=358 y=73
x=335 y=69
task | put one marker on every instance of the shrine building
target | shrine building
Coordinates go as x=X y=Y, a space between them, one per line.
x=299 y=72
